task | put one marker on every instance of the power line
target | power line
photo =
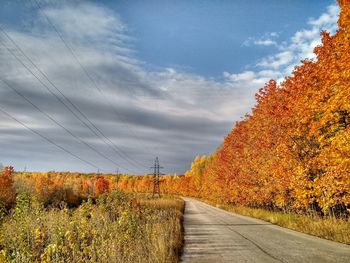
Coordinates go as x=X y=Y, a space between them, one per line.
x=115 y=148
x=48 y=139
x=70 y=49
x=59 y=124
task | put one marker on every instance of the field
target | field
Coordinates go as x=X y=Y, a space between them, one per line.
x=115 y=227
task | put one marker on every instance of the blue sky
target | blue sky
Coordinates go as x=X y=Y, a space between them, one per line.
x=158 y=78
x=206 y=37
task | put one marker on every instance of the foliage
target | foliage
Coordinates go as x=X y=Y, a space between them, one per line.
x=117 y=228
x=7 y=192
x=101 y=186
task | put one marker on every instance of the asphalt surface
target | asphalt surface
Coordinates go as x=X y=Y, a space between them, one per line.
x=215 y=235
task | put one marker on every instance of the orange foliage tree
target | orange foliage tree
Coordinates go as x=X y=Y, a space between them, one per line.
x=101 y=186
x=7 y=191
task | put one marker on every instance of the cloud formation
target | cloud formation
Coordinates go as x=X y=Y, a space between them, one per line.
x=302 y=43
x=146 y=113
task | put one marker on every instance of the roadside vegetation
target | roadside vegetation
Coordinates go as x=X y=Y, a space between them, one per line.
x=329 y=227
x=108 y=226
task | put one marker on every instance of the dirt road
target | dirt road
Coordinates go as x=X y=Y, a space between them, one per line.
x=215 y=235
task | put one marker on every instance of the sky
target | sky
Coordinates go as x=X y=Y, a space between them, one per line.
x=109 y=85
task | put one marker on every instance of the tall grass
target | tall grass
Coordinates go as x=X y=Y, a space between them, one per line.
x=114 y=228
x=331 y=228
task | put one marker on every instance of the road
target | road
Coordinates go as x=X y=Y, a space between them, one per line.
x=215 y=235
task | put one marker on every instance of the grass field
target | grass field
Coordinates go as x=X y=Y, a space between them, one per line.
x=116 y=227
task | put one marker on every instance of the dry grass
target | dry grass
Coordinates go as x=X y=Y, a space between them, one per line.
x=165 y=202
x=117 y=228
x=325 y=227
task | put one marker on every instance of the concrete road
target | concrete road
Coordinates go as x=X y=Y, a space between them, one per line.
x=215 y=235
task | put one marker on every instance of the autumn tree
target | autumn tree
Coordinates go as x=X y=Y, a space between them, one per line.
x=7 y=191
x=101 y=186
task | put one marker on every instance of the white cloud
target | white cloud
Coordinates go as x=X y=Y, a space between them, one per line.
x=268 y=39
x=327 y=19
x=269 y=74
x=244 y=76
x=85 y=20
x=265 y=42
x=276 y=61
x=299 y=47
x=289 y=53
x=304 y=41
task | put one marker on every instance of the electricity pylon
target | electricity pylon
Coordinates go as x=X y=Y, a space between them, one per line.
x=156 y=181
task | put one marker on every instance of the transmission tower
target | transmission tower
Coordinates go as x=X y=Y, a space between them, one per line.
x=156 y=181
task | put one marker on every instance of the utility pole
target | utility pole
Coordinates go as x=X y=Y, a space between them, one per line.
x=156 y=181
x=117 y=176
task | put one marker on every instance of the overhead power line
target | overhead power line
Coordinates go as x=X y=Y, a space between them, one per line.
x=59 y=124
x=49 y=140
x=85 y=71
x=116 y=149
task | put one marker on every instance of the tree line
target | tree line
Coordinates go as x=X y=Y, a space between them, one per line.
x=291 y=153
